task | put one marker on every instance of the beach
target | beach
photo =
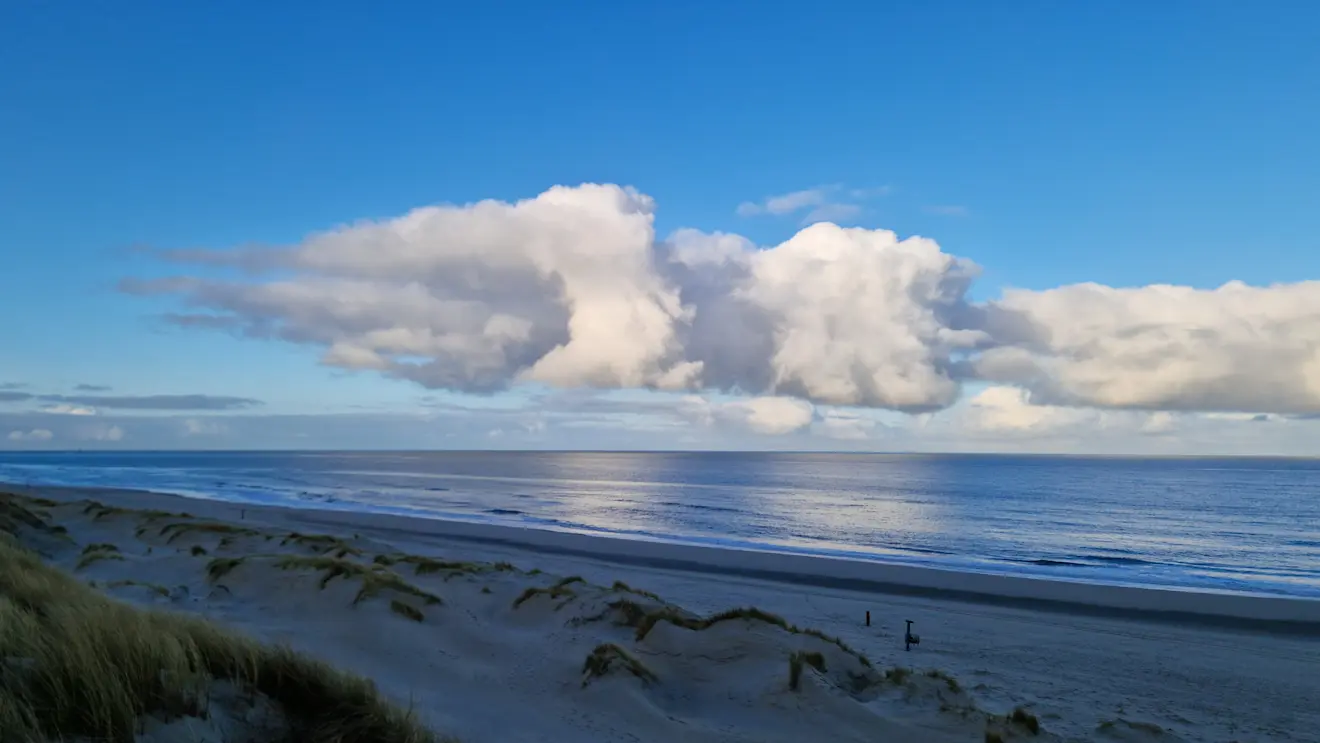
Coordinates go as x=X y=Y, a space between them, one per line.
x=487 y=632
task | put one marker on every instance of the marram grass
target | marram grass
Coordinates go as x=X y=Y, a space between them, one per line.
x=76 y=664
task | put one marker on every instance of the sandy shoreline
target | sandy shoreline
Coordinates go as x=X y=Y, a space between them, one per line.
x=1215 y=667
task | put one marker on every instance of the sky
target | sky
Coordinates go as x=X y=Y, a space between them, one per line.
x=947 y=226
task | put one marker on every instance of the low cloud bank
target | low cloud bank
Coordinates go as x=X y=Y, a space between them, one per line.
x=573 y=288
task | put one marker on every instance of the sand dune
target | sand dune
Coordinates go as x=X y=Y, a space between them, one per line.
x=502 y=642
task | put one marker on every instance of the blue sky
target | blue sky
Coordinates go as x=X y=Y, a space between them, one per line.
x=1050 y=143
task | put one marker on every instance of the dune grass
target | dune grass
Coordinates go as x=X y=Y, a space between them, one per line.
x=323 y=543
x=177 y=529
x=374 y=578
x=557 y=591
x=76 y=664
x=621 y=587
x=197 y=550
x=948 y=680
x=15 y=513
x=18 y=512
x=406 y=610
x=219 y=567
x=609 y=656
x=799 y=659
x=93 y=553
x=644 y=620
x=898 y=675
x=1020 y=716
x=428 y=565
x=99 y=511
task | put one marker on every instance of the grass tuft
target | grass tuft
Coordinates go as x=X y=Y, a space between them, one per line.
x=643 y=618
x=428 y=565
x=1020 y=716
x=555 y=592
x=17 y=512
x=949 y=681
x=992 y=736
x=608 y=656
x=622 y=587
x=797 y=660
x=198 y=550
x=219 y=567
x=405 y=610
x=177 y=529
x=375 y=578
x=898 y=675
x=94 y=553
x=323 y=543
x=82 y=666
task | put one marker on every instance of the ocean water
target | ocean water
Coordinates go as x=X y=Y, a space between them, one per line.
x=1236 y=524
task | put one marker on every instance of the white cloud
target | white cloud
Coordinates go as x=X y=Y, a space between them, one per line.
x=36 y=434
x=774 y=416
x=68 y=409
x=1000 y=410
x=572 y=289
x=1237 y=348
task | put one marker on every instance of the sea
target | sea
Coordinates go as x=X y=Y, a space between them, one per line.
x=1210 y=524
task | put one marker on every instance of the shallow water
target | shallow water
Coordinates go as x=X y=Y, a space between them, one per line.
x=1218 y=524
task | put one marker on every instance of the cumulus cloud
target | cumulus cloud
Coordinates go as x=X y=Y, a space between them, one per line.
x=774 y=416
x=1236 y=348
x=36 y=434
x=573 y=289
x=1000 y=410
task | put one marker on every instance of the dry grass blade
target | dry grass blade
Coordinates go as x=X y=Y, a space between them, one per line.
x=797 y=660
x=608 y=656
x=407 y=611
x=1020 y=716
